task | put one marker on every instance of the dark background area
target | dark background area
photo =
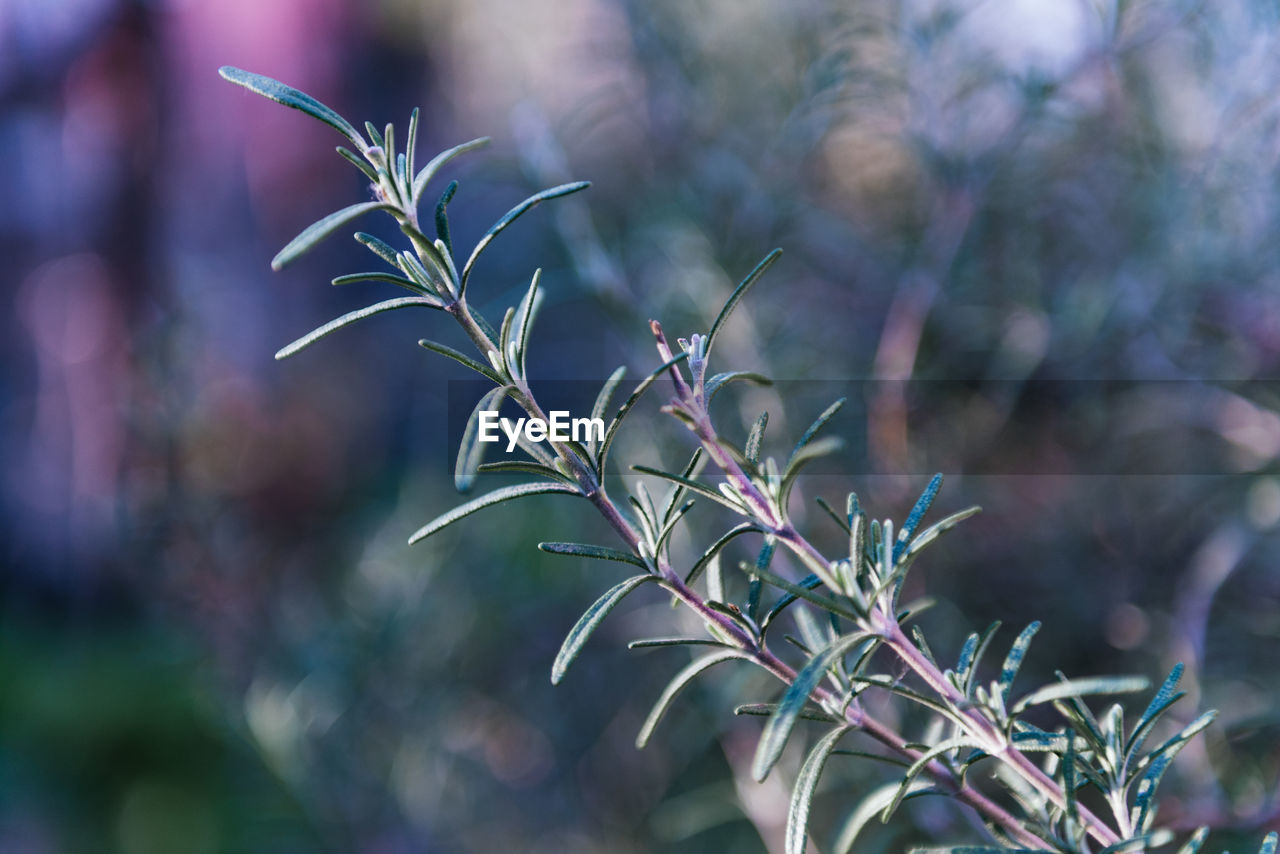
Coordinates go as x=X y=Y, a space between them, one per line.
x=213 y=637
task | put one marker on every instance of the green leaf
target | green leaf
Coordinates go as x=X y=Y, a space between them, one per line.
x=1163 y=699
x=677 y=492
x=442 y=216
x=511 y=216
x=504 y=336
x=778 y=730
x=818 y=424
x=1083 y=720
x=351 y=317
x=692 y=486
x=901 y=690
x=831 y=511
x=1147 y=789
x=630 y=403
x=755 y=437
x=1013 y=661
x=447 y=257
x=601 y=406
x=971 y=655
x=917 y=513
x=290 y=97
x=649 y=643
x=763 y=559
x=737 y=296
x=1081 y=688
x=597 y=552
x=806 y=785
x=434 y=165
x=923 y=645
x=872 y=805
x=669 y=526
x=1069 y=778
x=734 y=613
x=407 y=284
x=1037 y=740
x=719 y=381
x=471 y=449
x=506 y=493
x=820 y=448
x=857 y=538
x=414 y=269
x=935 y=752
x=938 y=529
x=765 y=710
x=589 y=621
x=389 y=150
x=379 y=248
x=485 y=326
x=410 y=146
x=1138 y=844
x=462 y=359
x=318 y=231
x=824 y=602
x=359 y=162
x=676 y=685
x=809 y=582
x=1175 y=744
x=524 y=467
x=605 y=396
x=427 y=252
x=714 y=549
x=528 y=308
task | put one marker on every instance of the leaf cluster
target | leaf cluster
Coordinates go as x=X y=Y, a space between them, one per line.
x=850 y=633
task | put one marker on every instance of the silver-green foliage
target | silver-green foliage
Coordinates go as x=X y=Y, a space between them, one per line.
x=1033 y=799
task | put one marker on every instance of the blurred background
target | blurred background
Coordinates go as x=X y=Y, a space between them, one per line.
x=1049 y=216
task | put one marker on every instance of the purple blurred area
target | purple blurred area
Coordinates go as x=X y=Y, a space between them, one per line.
x=212 y=634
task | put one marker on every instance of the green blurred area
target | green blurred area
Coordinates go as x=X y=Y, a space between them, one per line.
x=213 y=637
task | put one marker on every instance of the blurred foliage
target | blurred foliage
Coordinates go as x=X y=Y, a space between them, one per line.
x=210 y=618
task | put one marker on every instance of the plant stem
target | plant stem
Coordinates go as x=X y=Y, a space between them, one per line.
x=596 y=493
x=882 y=622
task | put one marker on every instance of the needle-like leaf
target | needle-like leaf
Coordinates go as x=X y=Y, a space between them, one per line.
x=321 y=229
x=291 y=97
x=512 y=215
x=471 y=449
x=588 y=622
x=806 y=784
x=496 y=497
x=736 y=297
x=676 y=685
x=353 y=316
